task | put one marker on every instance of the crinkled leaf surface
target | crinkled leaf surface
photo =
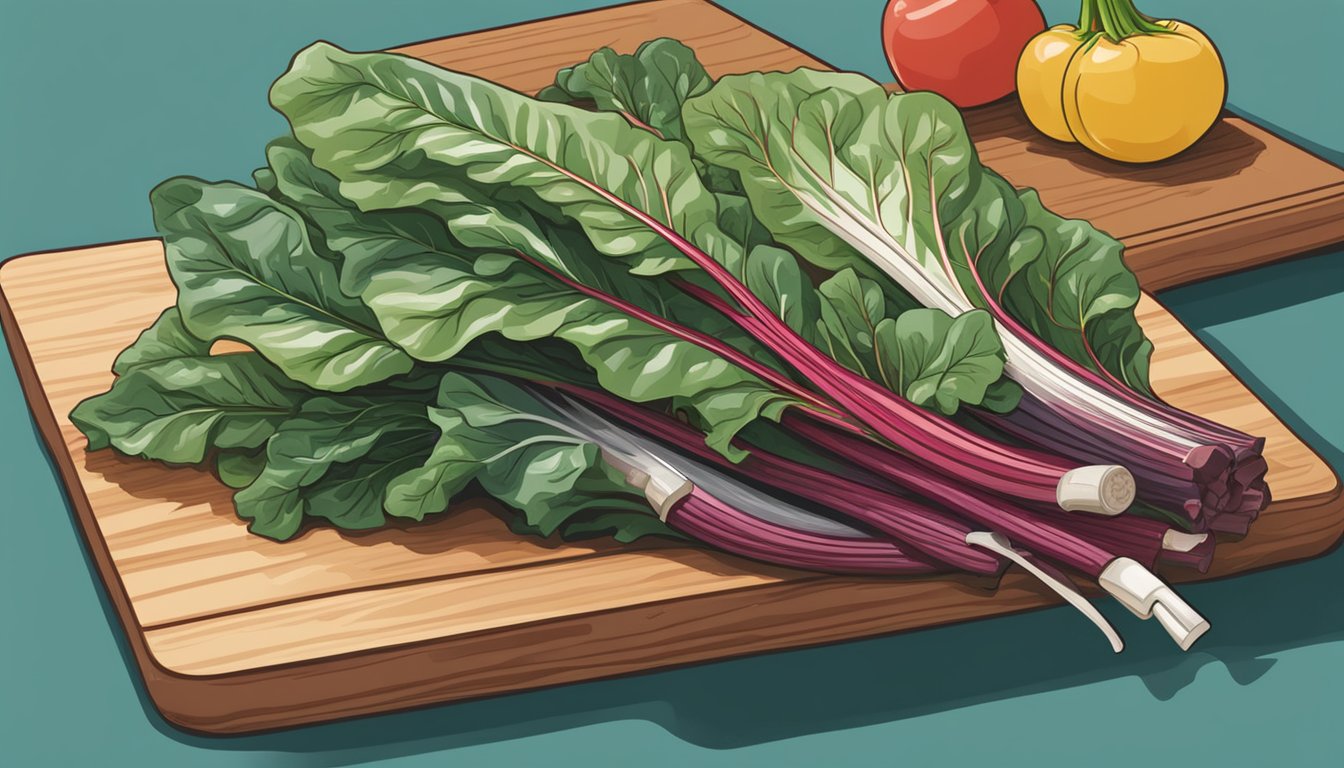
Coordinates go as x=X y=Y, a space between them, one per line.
x=392 y=128
x=501 y=436
x=324 y=434
x=434 y=295
x=179 y=410
x=647 y=87
x=246 y=270
x=830 y=158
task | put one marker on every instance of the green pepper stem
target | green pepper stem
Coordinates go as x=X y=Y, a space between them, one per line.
x=1115 y=20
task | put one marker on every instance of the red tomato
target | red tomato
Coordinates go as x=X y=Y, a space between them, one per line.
x=966 y=50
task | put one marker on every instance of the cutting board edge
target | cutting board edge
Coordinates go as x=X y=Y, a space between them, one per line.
x=44 y=418
x=193 y=702
x=190 y=701
x=1159 y=261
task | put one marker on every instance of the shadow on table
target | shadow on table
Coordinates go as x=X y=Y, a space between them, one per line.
x=782 y=695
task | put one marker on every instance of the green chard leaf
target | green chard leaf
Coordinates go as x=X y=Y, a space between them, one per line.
x=333 y=459
x=835 y=167
x=1065 y=281
x=623 y=526
x=929 y=357
x=773 y=275
x=743 y=124
x=173 y=402
x=852 y=308
x=239 y=469
x=499 y=435
x=166 y=339
x=1002 y=396
x=939 y=361
x=246 y=270
x=178 y=410
x=348 y=108
x=647 y=88
x=468 y=166
x=438 y=284
x=737 y=220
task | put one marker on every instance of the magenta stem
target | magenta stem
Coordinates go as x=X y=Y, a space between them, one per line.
x=708 y=520
x=1021 y=526
x=913 y=524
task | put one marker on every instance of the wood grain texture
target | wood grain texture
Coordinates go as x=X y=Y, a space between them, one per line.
x=236 y=633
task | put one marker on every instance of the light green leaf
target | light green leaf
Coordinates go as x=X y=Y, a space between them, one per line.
x=1061 y=278
x=1077 y=294
x=938 y=361
x=648 y=89
x=746 y=123
x=835 y=167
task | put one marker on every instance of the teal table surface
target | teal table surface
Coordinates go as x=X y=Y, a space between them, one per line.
x=100 y=100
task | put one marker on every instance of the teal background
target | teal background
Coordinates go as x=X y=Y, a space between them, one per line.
x=99 y=101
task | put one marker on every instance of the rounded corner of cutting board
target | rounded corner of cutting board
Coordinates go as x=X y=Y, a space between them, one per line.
x=21 y=271
x=194 y=705
x=11 y=269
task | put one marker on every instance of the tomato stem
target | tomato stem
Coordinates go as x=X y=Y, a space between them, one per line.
x=1115 y=20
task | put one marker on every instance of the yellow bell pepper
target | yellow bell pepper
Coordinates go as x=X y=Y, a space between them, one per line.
x=1121 y=84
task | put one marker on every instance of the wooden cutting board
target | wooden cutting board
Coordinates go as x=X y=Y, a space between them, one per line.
x=234 y=633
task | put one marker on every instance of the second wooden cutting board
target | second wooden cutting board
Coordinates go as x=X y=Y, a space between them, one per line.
x=233 y=633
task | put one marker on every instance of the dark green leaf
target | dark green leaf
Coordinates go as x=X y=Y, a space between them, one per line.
x=497 y=434
x=435 y=295
x=246 y=270
x=359 y=435
x=852 y=307
x=773 y=275
x=238 y=469
x=166 y=339
x=1002 y=396
x=394 y=130
x=179 y=410
x=647 y=88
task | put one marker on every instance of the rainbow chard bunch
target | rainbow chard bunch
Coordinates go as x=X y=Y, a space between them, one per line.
x=788 y=316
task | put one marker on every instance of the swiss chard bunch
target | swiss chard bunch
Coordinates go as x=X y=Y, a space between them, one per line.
x=356 y=299
x=786 y=315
